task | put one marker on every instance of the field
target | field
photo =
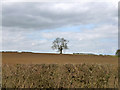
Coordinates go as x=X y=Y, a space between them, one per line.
x=32 y=70
x=42 y=58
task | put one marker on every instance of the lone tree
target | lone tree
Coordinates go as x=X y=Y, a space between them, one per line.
x=60 y=44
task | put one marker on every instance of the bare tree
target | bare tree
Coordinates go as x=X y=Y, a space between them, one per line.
x=60 y=44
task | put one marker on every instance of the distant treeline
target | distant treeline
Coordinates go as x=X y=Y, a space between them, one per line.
x=84 y=53
x=90 y=54
x=54 y=53
x=17 y=51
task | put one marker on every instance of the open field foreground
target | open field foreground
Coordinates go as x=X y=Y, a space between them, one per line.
x=59 y=76
x=35 y=70
x=41 y=58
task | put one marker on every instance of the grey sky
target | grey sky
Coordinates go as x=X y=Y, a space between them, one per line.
x=33 y=26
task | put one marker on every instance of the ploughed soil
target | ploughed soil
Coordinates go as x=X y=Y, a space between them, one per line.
x=49 y=58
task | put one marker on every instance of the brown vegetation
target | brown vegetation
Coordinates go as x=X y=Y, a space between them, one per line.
x=59 y=76
x=40 y=70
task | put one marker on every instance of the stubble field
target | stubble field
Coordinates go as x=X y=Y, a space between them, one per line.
x=33 y=70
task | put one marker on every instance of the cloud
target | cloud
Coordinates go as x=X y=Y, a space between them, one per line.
x=40 y=16
x=98 y=40
x=33 y=26
x=61 y=1
x=100 y=32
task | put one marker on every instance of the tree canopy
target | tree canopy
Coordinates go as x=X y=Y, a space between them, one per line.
x=60 y=44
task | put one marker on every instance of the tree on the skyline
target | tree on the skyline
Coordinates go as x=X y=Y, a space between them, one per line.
x=60 y=44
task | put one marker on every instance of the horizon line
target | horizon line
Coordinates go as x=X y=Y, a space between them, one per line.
x=53 y=52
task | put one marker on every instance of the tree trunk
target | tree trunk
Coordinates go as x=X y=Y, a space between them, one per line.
x=61 y=50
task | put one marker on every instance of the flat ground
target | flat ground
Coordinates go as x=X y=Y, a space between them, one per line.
x=45 y=58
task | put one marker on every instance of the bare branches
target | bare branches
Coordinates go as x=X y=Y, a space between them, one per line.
x=60 y=44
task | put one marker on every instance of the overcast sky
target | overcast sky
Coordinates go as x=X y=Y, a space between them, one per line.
x=90 y=27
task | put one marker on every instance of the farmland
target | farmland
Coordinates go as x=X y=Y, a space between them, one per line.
x=28 y=70
x=46 y=58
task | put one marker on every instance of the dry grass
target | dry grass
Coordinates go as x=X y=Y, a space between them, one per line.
x=39 y=70
x=59 y=75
